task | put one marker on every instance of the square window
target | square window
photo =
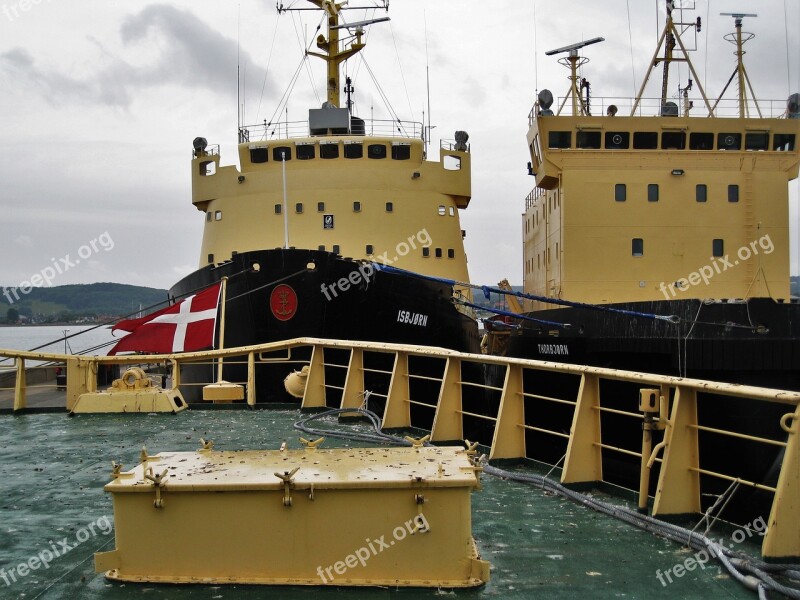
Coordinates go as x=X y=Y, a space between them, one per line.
x=733 y=193
x=717 y=247
x=329 y=150
x=620 y=192
x=701 y=192
x=305 y=151
x=259 y=155
x=401 y=151
x=353 y=150
x=376 y=151
x=652 y=192
x=637 y=247
x=281 y=153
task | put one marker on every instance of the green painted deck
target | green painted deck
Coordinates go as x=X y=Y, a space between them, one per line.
x=53 y=469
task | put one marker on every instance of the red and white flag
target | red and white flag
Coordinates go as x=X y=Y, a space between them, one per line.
x=183 y=327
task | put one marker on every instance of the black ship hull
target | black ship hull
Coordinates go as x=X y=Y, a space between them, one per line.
x=272 y=295
x=753 y=343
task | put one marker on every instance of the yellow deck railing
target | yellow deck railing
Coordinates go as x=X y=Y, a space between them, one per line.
x=513 y=408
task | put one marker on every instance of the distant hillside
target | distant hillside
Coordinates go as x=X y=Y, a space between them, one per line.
x=72 y=302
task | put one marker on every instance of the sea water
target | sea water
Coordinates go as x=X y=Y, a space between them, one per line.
x=28 y=337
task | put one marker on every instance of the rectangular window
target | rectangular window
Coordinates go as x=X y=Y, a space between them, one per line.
x=758 y=140
x=729 y=141
x=717 y=247
x=336 y=249
x=673 y=140
x=645 y=140
x=376 y=151
x=652 y=192
x=305 y=151
x=618 y=140
x=355 y=150
x=328 y=150
x=733 y=193
x=370 y=249
x=281 y=153
x=356 y=206
x=637 y=247
x=321 y=248
x=218 y=215
x=401 y=151
x=620 y=192
x=701 y=141
x=783 y=142
x=259 y=155
x=451 y=253
x=426 y=252
x=389 y=207
x=589 y=140
x=438 y=253
x=298 y=208
x=208 y=216
x=278 y=209
x=560 y=139
x=701 y=192
x=320 y=207
x=210 y=258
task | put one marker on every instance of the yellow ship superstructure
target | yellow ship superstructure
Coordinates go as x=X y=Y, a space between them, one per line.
x=683 y=203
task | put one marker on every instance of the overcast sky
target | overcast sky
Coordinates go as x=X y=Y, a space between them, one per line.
x=100 y=103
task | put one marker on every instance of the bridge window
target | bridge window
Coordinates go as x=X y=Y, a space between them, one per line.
x=701 y=192
x=328 y=150
x=645 y=140
x=618 y=140
x=729 y=141
x=733 y=193
x=281 y=153
x=783 y=142
x=588 y=139
x=637 y=247
x=701 y=141
x=673 y=140
x=717 y=247
x=354 y=150
x=259 y=155
x=376 y=151
x=560 y=139
x=401 y=151
x=652 y=192
x=758 y=140
x=306 y=151
x=620 y=192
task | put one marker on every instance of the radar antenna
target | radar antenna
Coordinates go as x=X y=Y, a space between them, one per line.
x=670 y=38
x=739 y=38
x=572 y=62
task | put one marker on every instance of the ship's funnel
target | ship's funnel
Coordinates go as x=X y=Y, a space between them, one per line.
x=793 y=106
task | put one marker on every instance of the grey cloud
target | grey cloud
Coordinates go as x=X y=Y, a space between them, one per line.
x=192 y=54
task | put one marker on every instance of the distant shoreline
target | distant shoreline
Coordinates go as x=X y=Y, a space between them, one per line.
x=56 y=325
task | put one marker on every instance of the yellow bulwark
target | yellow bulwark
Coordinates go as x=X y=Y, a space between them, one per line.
x=359 y=516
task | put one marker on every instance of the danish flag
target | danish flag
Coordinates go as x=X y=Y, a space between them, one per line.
x=183 y=327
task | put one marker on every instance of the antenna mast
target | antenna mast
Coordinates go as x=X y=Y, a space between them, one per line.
x=670 y=37
x=739 y=38
x=572 y=62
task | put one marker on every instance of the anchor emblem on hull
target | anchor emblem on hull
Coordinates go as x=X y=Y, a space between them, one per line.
x=283 y=302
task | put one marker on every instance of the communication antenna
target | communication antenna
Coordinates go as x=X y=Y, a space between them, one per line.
x=572 y=62
x=739 y=38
